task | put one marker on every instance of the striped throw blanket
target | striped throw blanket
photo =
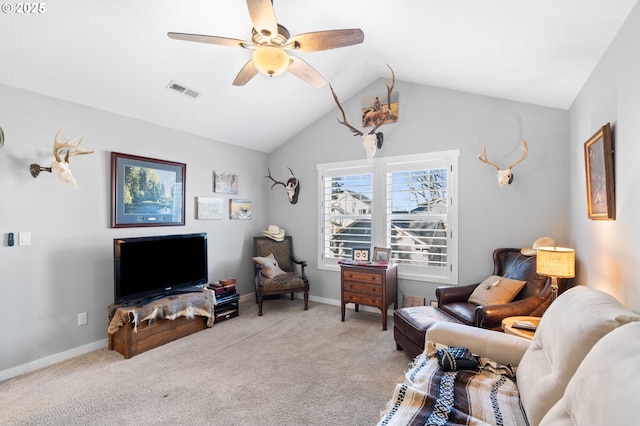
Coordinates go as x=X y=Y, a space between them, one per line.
x=432 y=396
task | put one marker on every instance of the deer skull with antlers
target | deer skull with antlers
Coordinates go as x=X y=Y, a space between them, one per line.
x=292 y=186
x=372 y=141
x=61 y=164
x=505 y=176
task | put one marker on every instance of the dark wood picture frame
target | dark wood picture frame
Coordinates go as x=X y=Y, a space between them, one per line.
x=163 y=199
x=361 y=254
x=598 y=159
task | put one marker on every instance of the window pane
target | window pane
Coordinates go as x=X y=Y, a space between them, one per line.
x=419 y=242
x=417 y=207
x=347 y=214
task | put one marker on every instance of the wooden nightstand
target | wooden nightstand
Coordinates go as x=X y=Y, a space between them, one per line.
x=371 y=286
x=507 y=326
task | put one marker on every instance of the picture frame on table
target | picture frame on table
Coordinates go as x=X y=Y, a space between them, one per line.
x=598 y=158
x=381 y=254
x=146 y=191
x=360 y=254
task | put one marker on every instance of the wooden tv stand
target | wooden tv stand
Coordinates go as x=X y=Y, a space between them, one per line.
x=172 y=324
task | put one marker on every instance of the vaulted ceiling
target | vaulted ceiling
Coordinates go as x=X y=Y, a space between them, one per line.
x=116 y=56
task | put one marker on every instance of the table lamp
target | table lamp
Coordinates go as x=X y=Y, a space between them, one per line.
x=556 y=262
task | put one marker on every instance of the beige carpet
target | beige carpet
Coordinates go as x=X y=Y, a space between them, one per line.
x=288 y=367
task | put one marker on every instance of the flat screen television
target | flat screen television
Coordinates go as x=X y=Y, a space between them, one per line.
x=148 y=268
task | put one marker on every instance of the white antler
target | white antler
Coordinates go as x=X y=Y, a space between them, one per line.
x=505 y=176
x=60 y=165
x=292 y=186
x=372 y=140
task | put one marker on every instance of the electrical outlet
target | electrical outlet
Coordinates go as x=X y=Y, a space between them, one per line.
x=82 y=319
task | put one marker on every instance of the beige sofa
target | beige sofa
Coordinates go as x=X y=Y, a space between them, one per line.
x=582 y=368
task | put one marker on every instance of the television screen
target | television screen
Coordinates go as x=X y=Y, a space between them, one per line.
x=145 y=267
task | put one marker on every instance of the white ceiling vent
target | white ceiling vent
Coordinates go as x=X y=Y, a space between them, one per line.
x=182 y=89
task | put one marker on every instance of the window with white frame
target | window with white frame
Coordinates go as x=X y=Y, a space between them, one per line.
x=407 y=204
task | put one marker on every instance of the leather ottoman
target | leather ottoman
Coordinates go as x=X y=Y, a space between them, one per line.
x=410 y=326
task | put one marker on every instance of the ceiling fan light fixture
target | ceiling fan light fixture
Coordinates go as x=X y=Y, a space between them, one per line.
x=270 y=60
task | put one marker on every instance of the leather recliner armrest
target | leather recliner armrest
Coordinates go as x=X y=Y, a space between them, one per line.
x=491 y=316
x=452 y=294
x=495 y=345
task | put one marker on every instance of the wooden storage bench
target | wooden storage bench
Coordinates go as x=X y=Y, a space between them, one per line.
x=135 y=329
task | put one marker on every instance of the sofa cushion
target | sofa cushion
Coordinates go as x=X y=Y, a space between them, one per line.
x=572 y=325
x=496 y=290
x=270 y=267
x=606 y=382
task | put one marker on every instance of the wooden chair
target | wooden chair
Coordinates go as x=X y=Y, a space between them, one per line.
x=289 y=281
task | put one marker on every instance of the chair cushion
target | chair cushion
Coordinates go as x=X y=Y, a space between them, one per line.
x=572 y=325
x=270 y=267
x=606 y=382
x=496 y=290
x=285 y=281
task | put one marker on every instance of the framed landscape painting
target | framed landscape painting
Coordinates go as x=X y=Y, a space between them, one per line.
x=146 y=191
x=598 y=157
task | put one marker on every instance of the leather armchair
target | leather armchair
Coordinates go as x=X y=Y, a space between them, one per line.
x=532 y=300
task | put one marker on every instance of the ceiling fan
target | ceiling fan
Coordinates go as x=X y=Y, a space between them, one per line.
x=271 y=41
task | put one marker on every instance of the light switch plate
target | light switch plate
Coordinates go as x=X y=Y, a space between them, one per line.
x=24 y=238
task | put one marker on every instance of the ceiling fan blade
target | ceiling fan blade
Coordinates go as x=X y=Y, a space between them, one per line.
x=263 y=17
x=222 y=41
x=305 y=72
x=247 y=72
x=324 y=40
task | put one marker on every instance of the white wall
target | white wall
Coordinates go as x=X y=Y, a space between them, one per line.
x=68 y=268
x=608 y=252
x=433 y=119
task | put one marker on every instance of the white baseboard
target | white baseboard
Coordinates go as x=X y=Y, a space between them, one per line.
x=63 y=356
x=50 y=360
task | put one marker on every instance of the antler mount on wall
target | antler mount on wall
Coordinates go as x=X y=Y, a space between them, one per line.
x=372 y=141
x=505 y=176
x=292 y=186
x=62 y=151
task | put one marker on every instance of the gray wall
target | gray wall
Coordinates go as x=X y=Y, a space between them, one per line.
x=433 y=119
x=68 y=267
x=608 y=252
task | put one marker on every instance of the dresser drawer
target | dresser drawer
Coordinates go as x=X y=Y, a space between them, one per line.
x=363 y=299
x=363 y=277
x=370 y=289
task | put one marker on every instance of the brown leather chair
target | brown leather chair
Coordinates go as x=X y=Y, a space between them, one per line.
x=532 y=300
x=288 y=282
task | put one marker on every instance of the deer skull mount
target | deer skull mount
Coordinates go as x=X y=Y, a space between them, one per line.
x=505 y=176
x=62 y=151
x=292 y=186
x=372 y=141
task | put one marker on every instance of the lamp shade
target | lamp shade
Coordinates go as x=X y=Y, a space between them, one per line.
x=557 y=262
x=270 y=60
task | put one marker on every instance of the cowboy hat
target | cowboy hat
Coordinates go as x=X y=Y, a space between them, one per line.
x=540 y=242
x=274 y=232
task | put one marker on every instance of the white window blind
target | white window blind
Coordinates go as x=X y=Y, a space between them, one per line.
x=347 y=199
x=406 y=204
